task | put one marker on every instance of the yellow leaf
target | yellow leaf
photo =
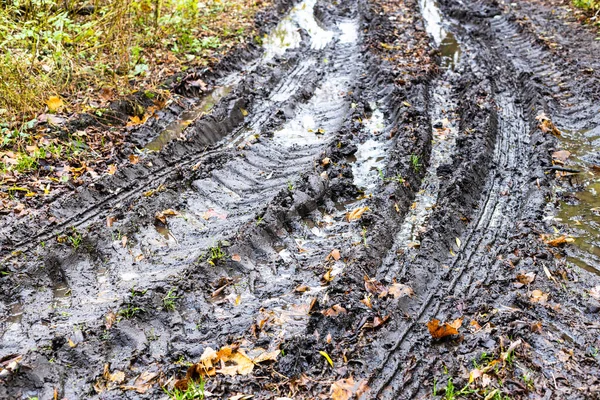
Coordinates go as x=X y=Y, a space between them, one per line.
x=112 y=168
x=458 y=242
x=324 y=354
x=54 y=103
x=356 y=213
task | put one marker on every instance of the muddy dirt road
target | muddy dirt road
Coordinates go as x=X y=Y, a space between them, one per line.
x=372 y=167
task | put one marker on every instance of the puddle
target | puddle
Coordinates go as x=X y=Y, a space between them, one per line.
x=582 y=212
x=287 y=36
x=370 y=159
x=61 y=293
x=175 y=129
x=445 y=41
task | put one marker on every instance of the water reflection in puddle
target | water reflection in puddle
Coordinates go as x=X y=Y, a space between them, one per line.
x=580 y=210
x=61 y=293
x=175 y=129
x=287 y=36
x=445 y=41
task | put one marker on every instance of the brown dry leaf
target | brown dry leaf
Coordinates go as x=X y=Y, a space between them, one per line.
x=375 y=287
x=559 y=240
x=335 y=254
x=438 y=331
x=302 y=289
x=325 y=161
x=111 y=318
x=54 y=103
x=110 y=221
x=134 y=159
x=242 y=364
x=595 y=292
x=344 y=389
x=124 y=241
x=561 y=155
x=327 y=277
x=162 y=215
x=536 y=327
x=356 y=213
x=527 y=278
x=546 y=125
x=399 y=290
x=116 y=377
x=367 y=301
x=236 y=258
x=475 y=326
x=334 y=311
x=377 y=322
x=537 y=296
x=474 y=374
x=139 y=258
x=142 y=383
x=112 y=168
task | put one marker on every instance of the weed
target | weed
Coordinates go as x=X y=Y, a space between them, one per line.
x=169 y=300
x=215 y=254
x=75 y=238
x=450 y=392
x=415 y=161
x=195 y=390
x=528 y=381
x=25 y=163
x=130 y=311
x=290 y=186
x=259 y=220
x=398 y=178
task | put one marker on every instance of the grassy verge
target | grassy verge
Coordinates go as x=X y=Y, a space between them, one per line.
x=58 y=58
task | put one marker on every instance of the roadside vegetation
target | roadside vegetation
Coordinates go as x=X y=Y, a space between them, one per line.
x=58 y=59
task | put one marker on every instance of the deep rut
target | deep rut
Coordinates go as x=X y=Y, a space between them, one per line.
x=242 y=214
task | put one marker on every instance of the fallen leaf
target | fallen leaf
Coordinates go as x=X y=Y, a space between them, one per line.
x=134 y=159
x=334 y=311
x=475 y=326
x=595 y=292
x=367 y=301
x=324 y=354
x=527 y=278
x=546 y=125
x=438 y=331
x=236 y=258
x=112 y=168
x=110 y=318
x=116 y=377
x=110 y=221
x=335 y=254
x=54 y=103
x=536 y=327
x=356 y=213
x=142 y=383
x=537 y=296
x=325 y=161
x=474 y=374
x=302 y=289
x=561 y=155
x=559 y=240
x=374 y=286
x=344 y=389
x=458 y=242
x=327 y=277
x=399 y=290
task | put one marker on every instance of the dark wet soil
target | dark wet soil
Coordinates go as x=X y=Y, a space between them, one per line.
x=233 y=228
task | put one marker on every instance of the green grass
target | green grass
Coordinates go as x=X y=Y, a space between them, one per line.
x=195 y=390
x=215 y=254
x=591 y=6
x=169 y=300
x=415 y=161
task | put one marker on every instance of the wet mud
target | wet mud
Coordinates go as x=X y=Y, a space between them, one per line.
x=372 y=166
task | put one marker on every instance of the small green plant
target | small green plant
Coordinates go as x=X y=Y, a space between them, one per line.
x=75 y=238
x=215 y=254
x=415 y=161
x=398 y=178
x=130 y=311
x=528 y=380
x=290 y=186
x=451 y=393
x=169 y=300
x=259 y=220
x=195 y=390
x=591 y=6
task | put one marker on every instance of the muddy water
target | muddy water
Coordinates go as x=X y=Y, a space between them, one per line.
x=287 y=33
x=369 y=159
x=445 y=130
x=445 y=40
x=580 y=209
